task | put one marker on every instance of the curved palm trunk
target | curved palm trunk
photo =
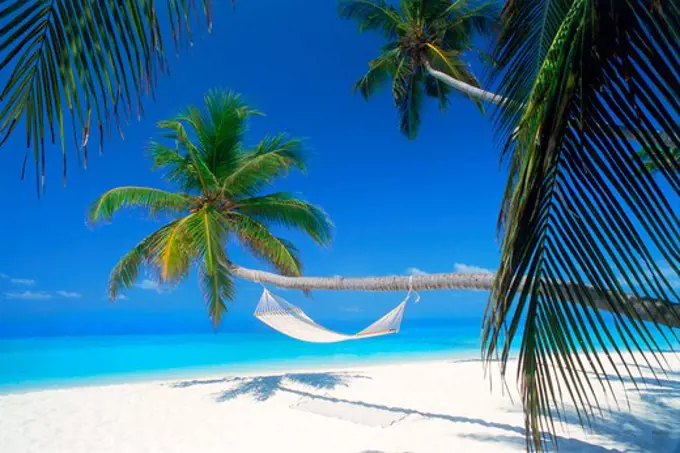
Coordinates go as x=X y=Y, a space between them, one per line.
x=465 y=88
x=660 y=311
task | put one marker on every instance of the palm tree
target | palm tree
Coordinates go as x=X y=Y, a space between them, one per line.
x=581 y=205
x=424 y=53
x=219 y=182
x=84 y=62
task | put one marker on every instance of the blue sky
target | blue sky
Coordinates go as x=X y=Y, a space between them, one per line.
x=428 y=204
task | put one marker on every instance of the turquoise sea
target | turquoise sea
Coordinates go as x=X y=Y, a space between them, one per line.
x=42 y=362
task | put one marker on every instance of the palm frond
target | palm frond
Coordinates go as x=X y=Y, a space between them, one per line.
x=436 y=9
x=126 y=271
x=379 y=70
x=176 y=250
x=195 y=168
x=91 y=61
x=283 y=209
x=374 y=15
x=178 y=167
x=580 y=205
x=528 y=28
x=408 y=97
x=209 y=235
x=413 y=10
x=154 y=201
x=218 y=286
x=438 y=90
x=276 y=251
x=271 y=158
x=460 y=17
x=219 y=129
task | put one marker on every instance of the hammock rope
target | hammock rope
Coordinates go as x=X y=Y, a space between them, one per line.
x=290 y=320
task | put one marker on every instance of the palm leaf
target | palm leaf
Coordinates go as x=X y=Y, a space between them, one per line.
x=460 y=17
x=217 y=285
x=154 y=201
x=407 y=94
x=271 y=158
x=438 y=90
x=580 y=208
x=125 y=273
x=94 y=59
x=374 y=15
x=283 y=209
x=178 y=167
x=528 y=28
x=435 y=9
x=176 y=251
x=278 y=252
x=378 y=72
x=195 y=169
x=209 y=234
x=218 y=129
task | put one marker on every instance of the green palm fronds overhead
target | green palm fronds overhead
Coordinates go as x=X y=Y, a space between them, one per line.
x=581 y=204
x=219 y=181
x=421 y=35
x=89 y=63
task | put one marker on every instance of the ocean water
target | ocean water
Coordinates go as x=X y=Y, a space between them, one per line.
x=44 y=362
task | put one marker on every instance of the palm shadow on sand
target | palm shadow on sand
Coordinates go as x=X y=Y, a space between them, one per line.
x=634 y=436
x=264 y=387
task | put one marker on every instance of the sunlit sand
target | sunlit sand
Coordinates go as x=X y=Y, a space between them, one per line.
x=428 y=407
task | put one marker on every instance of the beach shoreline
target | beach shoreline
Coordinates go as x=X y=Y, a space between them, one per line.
x=408 y=406
x=256 y=369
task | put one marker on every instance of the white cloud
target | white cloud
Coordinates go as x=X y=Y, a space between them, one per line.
x=118 y=297
x=22 y=281
x=3 y=276
x=147 y=284
x=461 y=268
x=29 y=295
x=666 y=270
x=68 y=294
x=415 y=271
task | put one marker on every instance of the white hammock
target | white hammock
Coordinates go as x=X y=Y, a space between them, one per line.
x=292 y=321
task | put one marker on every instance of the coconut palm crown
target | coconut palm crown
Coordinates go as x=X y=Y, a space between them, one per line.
x=220 y=181
x=423 y=35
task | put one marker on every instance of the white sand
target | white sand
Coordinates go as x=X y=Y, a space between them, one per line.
x=420 y=407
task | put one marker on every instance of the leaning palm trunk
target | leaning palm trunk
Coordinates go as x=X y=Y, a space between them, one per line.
x=465 y=88
x=660 y=311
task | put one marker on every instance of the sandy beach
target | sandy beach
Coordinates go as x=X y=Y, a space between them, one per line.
x=417 y=407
